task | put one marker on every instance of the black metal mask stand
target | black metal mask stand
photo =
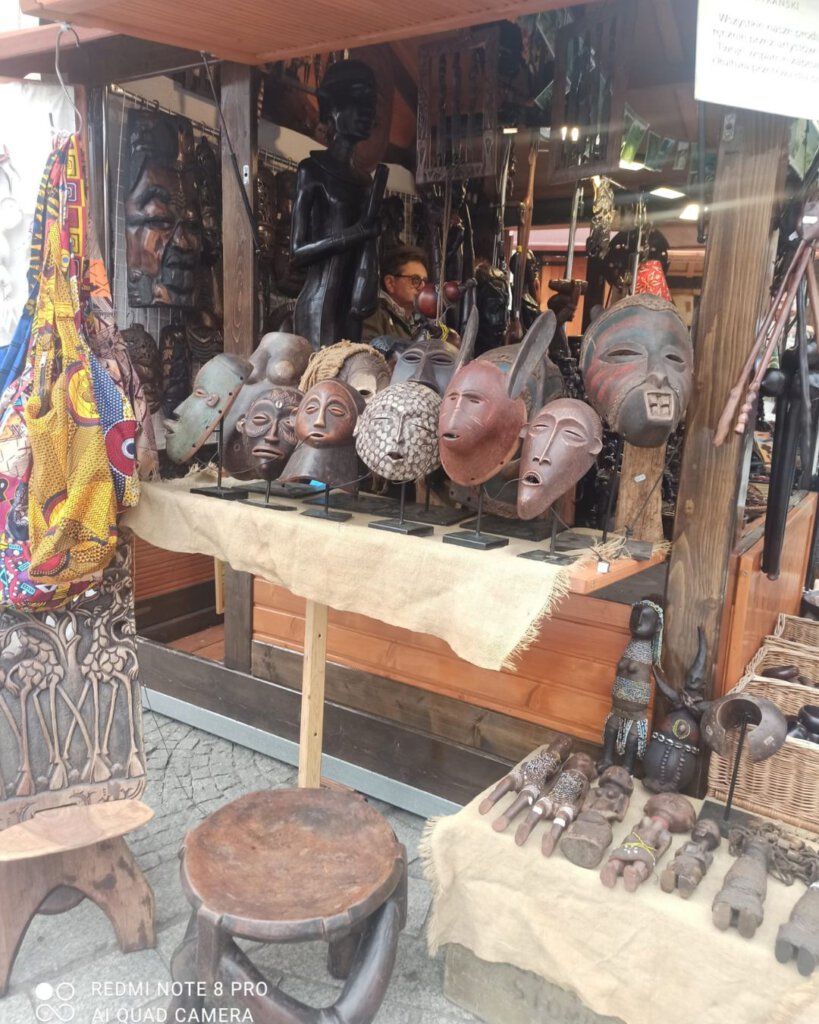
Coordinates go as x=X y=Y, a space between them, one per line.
x=474 y=538
x=552 y=555
x=721 y=813
x=325 y=512
x=400 y=525
x=227 y=494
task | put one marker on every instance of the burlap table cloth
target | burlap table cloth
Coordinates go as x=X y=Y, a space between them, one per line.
x=646 y=958
x=485 y=604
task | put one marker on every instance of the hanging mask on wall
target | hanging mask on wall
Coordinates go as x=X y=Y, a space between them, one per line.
x=163 y=220
x=324 y=425
x=638 y=368
x=214 y=391
x=145 y=356
x=269 y=430
x=397 y=434
x=559 y=447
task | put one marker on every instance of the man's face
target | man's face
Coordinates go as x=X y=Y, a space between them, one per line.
x=163 y=232
x=405 y=285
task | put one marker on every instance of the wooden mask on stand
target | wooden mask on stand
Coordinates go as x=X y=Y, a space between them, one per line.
x=559 y=447
x=638 y=368
x=482 y=411
x=268 y=430
x=324 y=424
x=397 y=434
x=214 y=391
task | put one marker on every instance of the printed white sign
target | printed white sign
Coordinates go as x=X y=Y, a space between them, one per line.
x=759 y=54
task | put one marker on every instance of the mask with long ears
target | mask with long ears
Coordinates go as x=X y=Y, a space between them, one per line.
x=482 y=411
x=559 y=447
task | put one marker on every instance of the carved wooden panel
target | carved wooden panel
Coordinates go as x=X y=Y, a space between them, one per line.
x=458 y=107
x=589 y=93
x=70 y=702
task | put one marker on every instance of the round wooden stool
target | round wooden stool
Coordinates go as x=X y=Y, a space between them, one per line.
x=291 y=865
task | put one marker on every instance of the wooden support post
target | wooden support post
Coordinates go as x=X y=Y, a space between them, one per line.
x=736 y=280
x=238 y=98
x=312 y=694
x=640 y=495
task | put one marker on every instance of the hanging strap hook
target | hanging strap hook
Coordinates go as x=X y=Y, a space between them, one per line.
x=65 y=27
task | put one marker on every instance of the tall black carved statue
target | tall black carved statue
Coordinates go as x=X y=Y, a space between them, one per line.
x=335 y=215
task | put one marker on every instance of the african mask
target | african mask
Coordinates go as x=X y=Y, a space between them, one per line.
x=428 y=361
x=145 y=356
x=397 y=434
x=492 y=300
x=214 y=392
x=269 y=430
x=175 y=361
x=367 y=372
x=638 y=367
x=324 y=426
x=479 y=424
x=559 y=447
x=163 y=222
x=204 y=342
x=280 y=359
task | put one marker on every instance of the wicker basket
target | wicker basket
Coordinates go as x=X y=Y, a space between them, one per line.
x=785 y=786
x=776 y=651
x=798 y=631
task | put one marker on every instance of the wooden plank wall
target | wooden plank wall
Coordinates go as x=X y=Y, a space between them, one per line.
x=160 y=572
x=563 y=681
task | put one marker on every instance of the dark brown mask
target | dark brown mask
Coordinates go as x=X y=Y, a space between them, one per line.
x=145 y=356
x=269 y=430
x=638 y=367
x=427 y=360
x=559 y=447
x=479 y=425
x=367 y=372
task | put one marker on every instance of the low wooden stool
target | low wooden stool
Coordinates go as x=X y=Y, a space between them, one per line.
x=51 y=862
x=291 y=865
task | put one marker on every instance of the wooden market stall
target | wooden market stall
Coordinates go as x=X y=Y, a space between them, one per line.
x=402 y=704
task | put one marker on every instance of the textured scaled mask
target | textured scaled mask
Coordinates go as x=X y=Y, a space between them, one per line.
x=397 y=434
x=479 y=424
x=559 y=447
x=214 y=391
x=269 y=430
x=324 y=425
x=427 y=360
x=280 y=358
x=638 y=367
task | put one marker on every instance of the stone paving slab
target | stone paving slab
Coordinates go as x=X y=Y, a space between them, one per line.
x=69 y=967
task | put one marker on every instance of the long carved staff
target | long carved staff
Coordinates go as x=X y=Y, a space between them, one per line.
x=527 y=207
x=772 y=327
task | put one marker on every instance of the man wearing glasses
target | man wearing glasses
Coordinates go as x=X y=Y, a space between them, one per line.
x=403 y=275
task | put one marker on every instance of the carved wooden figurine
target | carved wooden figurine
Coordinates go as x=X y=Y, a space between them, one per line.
x=740 y=900
x=636 y=857
x=799 y=936
x=527 y=779
x=562 y=803
x=692 y=860
x=588 y=838
x=626 y=727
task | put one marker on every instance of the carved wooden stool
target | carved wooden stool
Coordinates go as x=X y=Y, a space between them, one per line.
x=51 y=862
x=291 y=865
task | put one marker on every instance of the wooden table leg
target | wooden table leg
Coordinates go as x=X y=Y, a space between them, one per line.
x=312 y=694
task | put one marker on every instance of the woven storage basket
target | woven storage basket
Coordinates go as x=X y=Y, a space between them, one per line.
x=775 y=652
x=785 y=786
x=798 y=631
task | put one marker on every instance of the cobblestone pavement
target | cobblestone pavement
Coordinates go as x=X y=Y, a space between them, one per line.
x=71 y=962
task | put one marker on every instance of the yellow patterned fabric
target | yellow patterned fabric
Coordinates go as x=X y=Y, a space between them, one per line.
x=72 y=498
